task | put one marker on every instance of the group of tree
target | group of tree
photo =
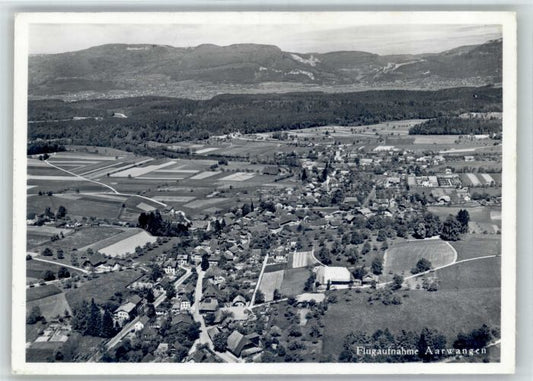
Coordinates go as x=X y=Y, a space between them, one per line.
x=89 y=320
x=44 y=147
x=170 y=119
x=457 y=126
x=424 y=346
x=154 y=224
x=49 y=275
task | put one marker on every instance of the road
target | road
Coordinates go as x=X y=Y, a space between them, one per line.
x=105 y=185
x=60 y=264
x=197 y=316
x=128 y=327
x=259 y=280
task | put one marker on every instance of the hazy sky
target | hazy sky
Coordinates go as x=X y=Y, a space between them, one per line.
x=301 y=38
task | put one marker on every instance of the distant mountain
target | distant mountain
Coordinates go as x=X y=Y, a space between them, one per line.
x=118 y=70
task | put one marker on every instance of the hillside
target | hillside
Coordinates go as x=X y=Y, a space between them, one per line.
x=95 y=122
x=119 y=70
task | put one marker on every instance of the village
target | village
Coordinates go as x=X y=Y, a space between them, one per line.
x=244 y=267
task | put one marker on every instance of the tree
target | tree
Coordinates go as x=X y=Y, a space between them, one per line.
x=359 y=273
x=48 y=275
x=220 y=341
x=61 y=212
x=397 y=282
x=246 y=209
x=277 y=294
x=156 y=272
x=463 y=217
x=451 y=229
x=421 y=266
x=94 y=322
x=428 y=342
x=259 y=297
x=63 y=273
x=108 y=326
x=149 y=310
x=60 y=254
x=205 y=262
x=170 y=291
x=366 y=248
x=377 y=266
x=34 y=316
x=47 y=252
x=150 y=296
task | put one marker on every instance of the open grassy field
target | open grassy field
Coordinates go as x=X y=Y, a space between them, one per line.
x=482 y=273
x=294 y=281
x=51 y=306
x=35 y=269
x=477 y=245
x=448 y=311
x=75 y=208
x=403 y=256
x=128 y=245
x=103 y=287
x=36 y=293
x=79 y=239
x=270 y=282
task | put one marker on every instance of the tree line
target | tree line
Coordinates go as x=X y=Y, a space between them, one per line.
x=457 y=126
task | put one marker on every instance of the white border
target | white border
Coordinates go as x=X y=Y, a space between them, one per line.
x=508 y=303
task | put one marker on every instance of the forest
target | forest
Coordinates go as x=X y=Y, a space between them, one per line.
x=130 y=122
x=458 y=126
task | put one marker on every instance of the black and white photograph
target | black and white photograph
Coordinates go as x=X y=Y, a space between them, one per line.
x=243 y=192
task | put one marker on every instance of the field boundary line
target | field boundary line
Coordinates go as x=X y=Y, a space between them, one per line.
x=61 y=264
x=81 y=177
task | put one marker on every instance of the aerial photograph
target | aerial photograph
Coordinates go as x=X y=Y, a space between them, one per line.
x=204 y=193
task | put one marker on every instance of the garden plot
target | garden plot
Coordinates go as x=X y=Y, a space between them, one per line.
x=205 y=202
x=174 y=198
x=204 y=175
x=144 y=206
x=473 y=179
x=206 y=150
x=128 y=245
x=487 y=178
x=239 y=176
x=139 y=171
x=302 y=259
x=402 y=257
x=269 y=282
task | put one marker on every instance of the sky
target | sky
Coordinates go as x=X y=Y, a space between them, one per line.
x=298 y=38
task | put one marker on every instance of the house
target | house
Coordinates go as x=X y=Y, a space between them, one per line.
x=238 y=301
x=208 y=305
x=170 y=267
x=161 y=350
x=124 y=313
x=242 y=346
x=179 y=321
x=139 y=326
x=182 y=259
x=181 y=304
x=103 y=268
x=369 y=278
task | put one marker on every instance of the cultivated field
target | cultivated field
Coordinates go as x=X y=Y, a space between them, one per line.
x=477 y=245
x=294 y=281
x=36 y=293
x=270 y=282
x=51 y=306
x=81 y=238
x=302 y=259
x=403 y=256
x=123 y=243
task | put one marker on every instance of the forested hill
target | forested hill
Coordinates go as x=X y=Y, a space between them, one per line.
x=132 y=121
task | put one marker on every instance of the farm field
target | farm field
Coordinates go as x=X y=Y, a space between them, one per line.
x=482 y=273
x=302 y=259
x=75 y=208
x=126 y=244
x=51 y=306
x=477 y=213
x=36 y=293
x=477 y=245
x=270 y=282
x=103 y=287
x=449 y=311
x=294 y=281
x=35 y=269
x=403 y=256
x=81 y=238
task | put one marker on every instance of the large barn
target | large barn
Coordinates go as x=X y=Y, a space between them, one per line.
x=333 y=275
